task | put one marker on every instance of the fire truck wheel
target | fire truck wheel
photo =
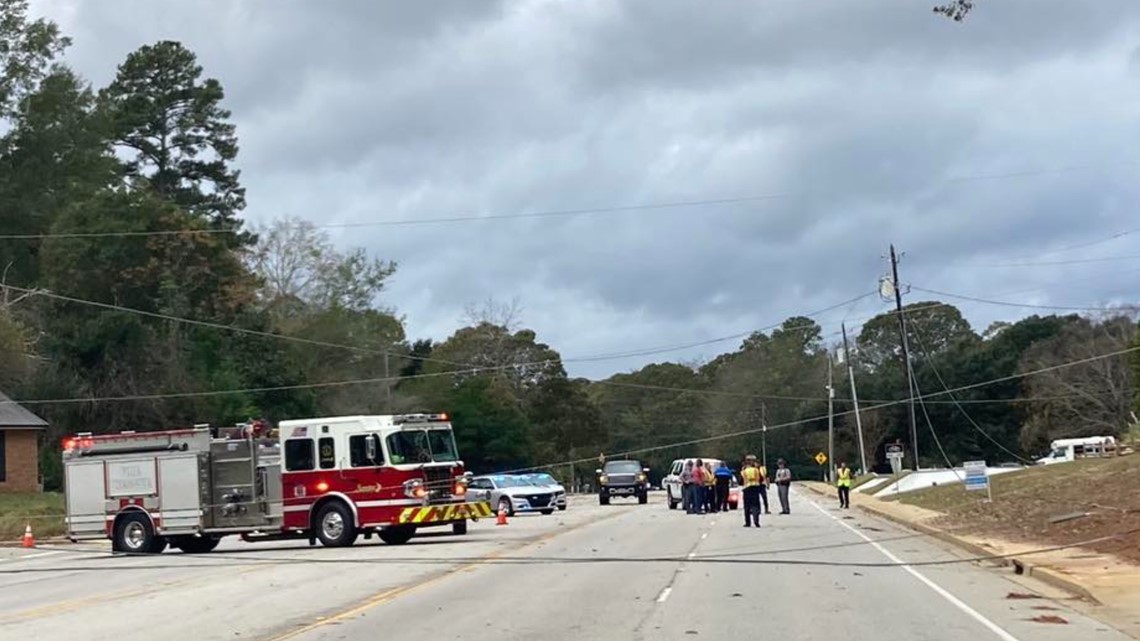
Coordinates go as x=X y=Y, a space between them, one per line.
x=397 y=535
x=335 y=526
x=196 y=544
x=133 y=534
x=459 y=527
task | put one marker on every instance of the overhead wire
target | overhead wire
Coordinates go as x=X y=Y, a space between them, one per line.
x=380 y=352
x=550 y=213
x=929 y=361
x=822 y=417
x=261 y=559
x=466 y=218
x=990 y=301
x=1073 y=261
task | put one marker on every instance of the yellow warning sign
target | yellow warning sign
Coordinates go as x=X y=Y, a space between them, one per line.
x=821 y=458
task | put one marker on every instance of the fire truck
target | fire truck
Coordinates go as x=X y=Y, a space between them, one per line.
x=327 y=479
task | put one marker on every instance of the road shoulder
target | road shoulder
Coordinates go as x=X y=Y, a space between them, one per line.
x=1106 y=582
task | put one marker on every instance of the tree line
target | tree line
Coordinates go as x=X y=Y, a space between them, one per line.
x=120 y=221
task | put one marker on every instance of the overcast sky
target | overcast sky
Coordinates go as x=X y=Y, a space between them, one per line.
x=970 y=146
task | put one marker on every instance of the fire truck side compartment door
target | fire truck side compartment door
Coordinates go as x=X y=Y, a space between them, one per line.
x=179 y=490
x=85 y=499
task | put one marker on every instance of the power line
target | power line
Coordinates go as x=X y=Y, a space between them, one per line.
x=379 y=352
x=1075 y=261
x=720 y=339
x=804 y=421
x=930 y=362
x=1091 y=243
x=138 y=397
x=234 y=559
x=220 y=326
x=552 y=213
x=989 y=301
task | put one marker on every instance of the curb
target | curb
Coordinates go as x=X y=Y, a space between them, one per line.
x=1022 y=567
x=55 y=540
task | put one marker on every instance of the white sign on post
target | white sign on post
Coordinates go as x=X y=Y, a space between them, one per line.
x=895 y=456
x=976 y=477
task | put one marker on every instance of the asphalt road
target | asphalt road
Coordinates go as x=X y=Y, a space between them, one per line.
x=619 y=572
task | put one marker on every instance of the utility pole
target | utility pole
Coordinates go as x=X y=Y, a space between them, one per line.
x=830 y=423
x=905 y=353
x=854 y=399
x=764 y=434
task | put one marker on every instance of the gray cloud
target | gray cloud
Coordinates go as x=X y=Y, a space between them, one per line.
x=862 y=115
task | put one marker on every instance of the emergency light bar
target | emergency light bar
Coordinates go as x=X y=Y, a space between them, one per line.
x=419 y=418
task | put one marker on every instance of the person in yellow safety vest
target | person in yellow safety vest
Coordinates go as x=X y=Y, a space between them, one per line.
x=843 y=481
x=752 y=480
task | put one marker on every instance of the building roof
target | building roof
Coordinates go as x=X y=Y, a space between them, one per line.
x=12 y=414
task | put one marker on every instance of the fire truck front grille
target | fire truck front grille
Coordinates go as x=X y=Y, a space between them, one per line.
x=438 y=481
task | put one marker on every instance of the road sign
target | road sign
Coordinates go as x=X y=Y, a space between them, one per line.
x=895 y=455
x=821 y=458
x=896 y=459
x=976 y=477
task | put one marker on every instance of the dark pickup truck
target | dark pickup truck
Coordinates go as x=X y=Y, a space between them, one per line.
x=623 y=478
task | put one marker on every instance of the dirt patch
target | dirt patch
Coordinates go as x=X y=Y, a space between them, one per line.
x=1059 y=504
x=1022 y=595
x=1049 y=618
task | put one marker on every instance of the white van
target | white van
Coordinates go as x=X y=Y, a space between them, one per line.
x=1071 y=449
x=672 y=482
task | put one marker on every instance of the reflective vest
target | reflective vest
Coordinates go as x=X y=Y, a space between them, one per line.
x=844 y=477
x=710 y=478
x=751 y=477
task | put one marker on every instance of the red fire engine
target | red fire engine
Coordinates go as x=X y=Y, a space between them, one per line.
x=327 y=479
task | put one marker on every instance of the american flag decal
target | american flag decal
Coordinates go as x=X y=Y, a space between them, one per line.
x=299 y=432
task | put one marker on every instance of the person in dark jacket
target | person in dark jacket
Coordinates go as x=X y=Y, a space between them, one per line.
x=723 y=479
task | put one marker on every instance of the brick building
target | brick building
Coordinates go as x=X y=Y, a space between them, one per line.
x=19 y=447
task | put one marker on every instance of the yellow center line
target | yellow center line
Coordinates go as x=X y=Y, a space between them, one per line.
x=392 y=593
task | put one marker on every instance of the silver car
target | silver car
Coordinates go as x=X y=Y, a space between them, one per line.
x=542 y=479
x=512 y=494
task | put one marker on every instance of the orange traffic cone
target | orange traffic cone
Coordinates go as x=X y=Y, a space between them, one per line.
x=502 y=520
x=29 y=540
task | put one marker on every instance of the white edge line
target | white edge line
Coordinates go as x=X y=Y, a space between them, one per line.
x=31 y=556
x=661 y=598
x=955 y=601
x=692 y=555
